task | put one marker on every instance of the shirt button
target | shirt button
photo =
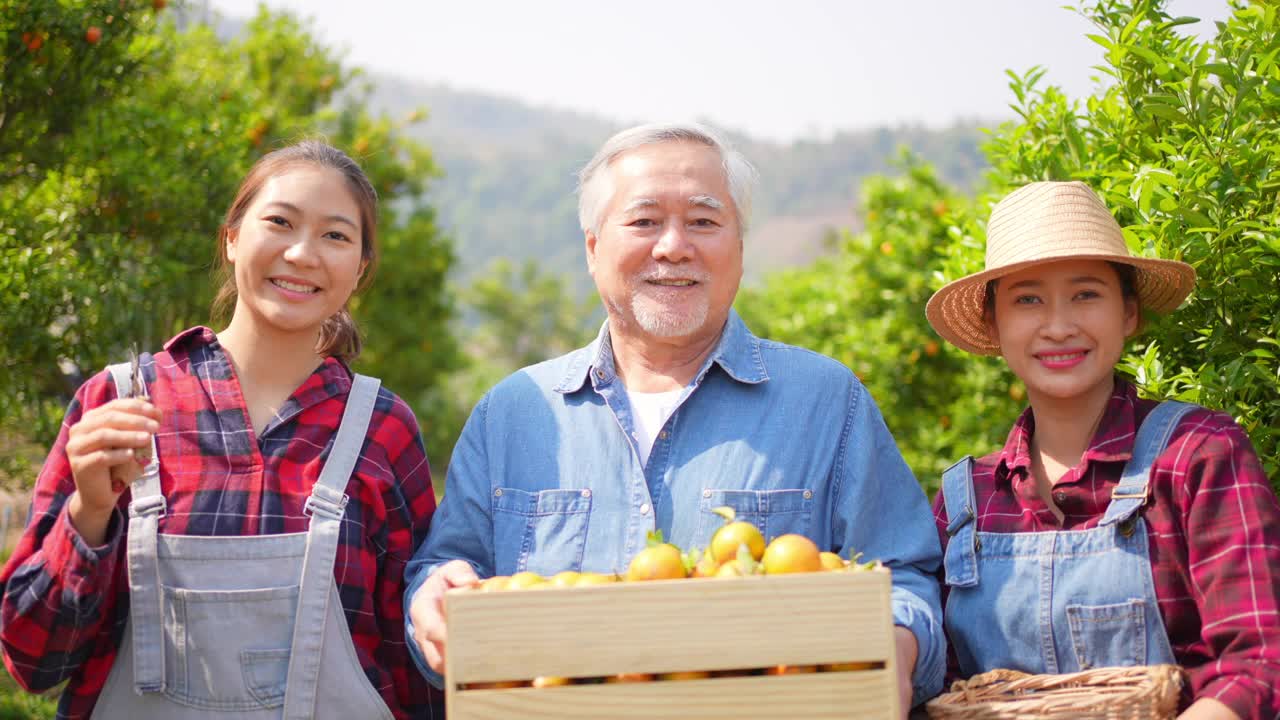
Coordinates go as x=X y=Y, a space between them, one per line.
x=586 y=493
x=706 y=493
x=644 y=509
x=662 y=435
x=1060 y=496
x=599 y=374
x=808 y=494
x=497 y=493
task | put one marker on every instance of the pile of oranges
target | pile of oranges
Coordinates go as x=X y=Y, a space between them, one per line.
x=737 y=549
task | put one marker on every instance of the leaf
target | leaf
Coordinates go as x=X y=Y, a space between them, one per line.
x=1101 y=40
x=1164 y=111
x=725 y=512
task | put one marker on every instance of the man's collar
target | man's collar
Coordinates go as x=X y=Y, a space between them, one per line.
x=737 y=353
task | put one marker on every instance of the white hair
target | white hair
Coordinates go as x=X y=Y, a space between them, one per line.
x=595 y=187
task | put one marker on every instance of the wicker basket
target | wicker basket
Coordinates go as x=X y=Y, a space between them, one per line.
x=1120 y=693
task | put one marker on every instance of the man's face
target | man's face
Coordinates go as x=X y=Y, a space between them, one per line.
x=668 y=256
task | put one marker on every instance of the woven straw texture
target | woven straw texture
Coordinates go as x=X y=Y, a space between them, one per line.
x=1043 y=222
x=1134 y=693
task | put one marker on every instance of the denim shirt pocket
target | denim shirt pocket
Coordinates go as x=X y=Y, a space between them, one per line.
x=1108 y=635
x=775 y=512
x=543 y=531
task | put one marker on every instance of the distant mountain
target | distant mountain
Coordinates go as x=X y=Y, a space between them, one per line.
x=510 y=172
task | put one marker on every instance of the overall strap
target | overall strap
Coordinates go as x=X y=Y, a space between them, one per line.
x=326 y=505
x=961 y=561
x=146 y=507
x=1153 y=437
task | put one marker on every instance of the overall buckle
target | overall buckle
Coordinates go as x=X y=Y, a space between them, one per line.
x=1120 y=492
x=325 y=503
x=154 y=505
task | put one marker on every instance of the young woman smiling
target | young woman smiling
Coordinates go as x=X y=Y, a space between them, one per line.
x=1109 y=530
x=250 y=564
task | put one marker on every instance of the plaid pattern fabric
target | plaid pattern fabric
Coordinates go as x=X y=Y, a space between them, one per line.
x=65 y=604
x=1213 y=524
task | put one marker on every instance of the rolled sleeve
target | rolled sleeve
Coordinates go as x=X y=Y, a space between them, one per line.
x=915 y=614
x=882 y=512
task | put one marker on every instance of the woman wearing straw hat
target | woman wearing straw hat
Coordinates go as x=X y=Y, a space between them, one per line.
x=1109 y=530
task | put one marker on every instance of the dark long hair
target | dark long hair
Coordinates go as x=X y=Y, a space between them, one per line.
x=339 y=335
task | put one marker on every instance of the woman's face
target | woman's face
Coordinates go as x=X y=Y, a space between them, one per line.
x=297 y=252
x=1062 y=327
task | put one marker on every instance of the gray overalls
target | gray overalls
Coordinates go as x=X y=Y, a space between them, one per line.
x=242 y=627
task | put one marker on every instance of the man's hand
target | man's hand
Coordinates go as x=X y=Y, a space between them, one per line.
x=907 y=649
x=427 y=609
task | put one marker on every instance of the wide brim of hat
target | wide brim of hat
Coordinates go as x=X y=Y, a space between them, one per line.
x=956 y=310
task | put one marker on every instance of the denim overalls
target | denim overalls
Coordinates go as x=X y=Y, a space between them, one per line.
x=241 y=626
x=1058 y=601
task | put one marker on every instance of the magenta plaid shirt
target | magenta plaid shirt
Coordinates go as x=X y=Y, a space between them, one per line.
x=1213 y=523
x=65 y=604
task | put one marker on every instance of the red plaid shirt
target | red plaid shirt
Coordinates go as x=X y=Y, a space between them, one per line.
x=65 y=604
x=1213 y=523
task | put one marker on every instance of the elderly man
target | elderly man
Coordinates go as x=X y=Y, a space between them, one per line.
x=675 y=409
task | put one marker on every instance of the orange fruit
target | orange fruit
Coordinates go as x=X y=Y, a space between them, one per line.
x=565 y=579
x=706 y=566
x=846 y=667
x=790 y=669
x=494 y=584
x=525 y=580
x=725 y=541
x=93 y=35
x=791 y=553
x=657 y=562
x=629 y=678
x=831 y=561
x=730 y=570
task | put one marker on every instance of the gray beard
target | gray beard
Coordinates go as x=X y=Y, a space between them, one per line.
x=657 y=321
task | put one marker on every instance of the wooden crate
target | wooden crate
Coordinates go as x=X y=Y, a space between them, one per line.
x=672 y=626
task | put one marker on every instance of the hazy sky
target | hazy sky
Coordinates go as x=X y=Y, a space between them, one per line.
x=771 y=68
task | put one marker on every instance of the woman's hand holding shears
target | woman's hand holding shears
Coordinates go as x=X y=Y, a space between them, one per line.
x=108 y=449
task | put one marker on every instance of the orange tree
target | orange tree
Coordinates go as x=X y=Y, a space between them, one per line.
x=119 y=152
x=1182 y=142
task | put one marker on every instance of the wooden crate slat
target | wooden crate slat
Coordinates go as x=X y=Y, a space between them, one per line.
x=870 y=695
x=667 y=626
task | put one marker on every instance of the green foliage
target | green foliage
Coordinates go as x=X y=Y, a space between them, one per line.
x=122 y=156
x=1182 y=143
x=528 y=315
x=18 y=705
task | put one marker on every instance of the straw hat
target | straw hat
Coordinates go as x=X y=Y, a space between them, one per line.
x=1040 y=223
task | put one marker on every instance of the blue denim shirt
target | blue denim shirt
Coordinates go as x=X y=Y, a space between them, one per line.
x=546 y=475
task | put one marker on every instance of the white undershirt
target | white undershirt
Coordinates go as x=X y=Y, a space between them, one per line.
x=651 y=411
